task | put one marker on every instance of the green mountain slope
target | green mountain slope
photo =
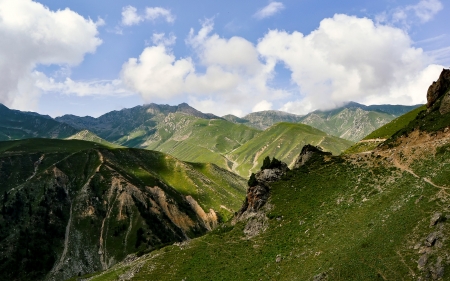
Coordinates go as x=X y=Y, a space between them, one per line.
x=15 y=124
x=264 y=119
x=283 y=141
x=384 y=132
x=89 y=136
x=71 y=207
x=366 y=216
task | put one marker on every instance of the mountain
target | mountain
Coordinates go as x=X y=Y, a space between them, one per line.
x=89 y=136
x=283 y=141
x=71 y=207
x=130 y=122
x=382 y=215
x=264 y=119
x=354 y=121
x=15 y=124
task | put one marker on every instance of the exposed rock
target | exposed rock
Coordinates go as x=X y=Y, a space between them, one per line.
x=445 y=104
x=422 y=262
x=437 y=217
x=271 y=175
x=256 y=198
x=278 y=259
x=321 y=277
x=431 y=239
x=308 y=151
x=256 y=223
x=438 y=88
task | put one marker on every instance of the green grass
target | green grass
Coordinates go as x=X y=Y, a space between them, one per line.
x=283 y=141
x=361 y=226
x=395 y=125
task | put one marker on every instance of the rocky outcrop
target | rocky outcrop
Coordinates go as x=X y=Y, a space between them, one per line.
x=445 y=104
x=308 y=152
x=438 y=88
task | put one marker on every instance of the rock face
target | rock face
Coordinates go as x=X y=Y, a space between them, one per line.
x=438 y=88
x=308 y=151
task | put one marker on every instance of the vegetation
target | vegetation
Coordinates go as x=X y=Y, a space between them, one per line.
x=74 y=206
x=283 y=141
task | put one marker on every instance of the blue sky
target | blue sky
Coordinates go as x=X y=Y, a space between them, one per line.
x=90 y=57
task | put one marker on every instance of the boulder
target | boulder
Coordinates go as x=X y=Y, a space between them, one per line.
x=438 y=88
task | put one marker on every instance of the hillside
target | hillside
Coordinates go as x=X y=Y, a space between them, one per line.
x=351 y=123
x=15 y=124
x=264 y=119
x=283 y=141
x=365 y=216
x=71 y=207
x=384 y=132
x=89 y=136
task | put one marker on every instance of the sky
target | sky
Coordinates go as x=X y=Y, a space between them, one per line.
x=224 y=57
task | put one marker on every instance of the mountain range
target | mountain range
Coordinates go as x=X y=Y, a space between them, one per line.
x=378 y=214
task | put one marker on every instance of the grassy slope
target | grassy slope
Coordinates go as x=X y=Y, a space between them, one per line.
x=361 y=226
x=370 y=141
x=89 y=136
x=199 y=140
x=348 y=123
x=108 y=171
x=283 y=141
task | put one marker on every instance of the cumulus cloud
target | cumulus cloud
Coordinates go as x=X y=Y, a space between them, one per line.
x=32 y=35
x=232 y=70
x=131 y=17
x=349 y=58
x=421 y=12
x=271 y=9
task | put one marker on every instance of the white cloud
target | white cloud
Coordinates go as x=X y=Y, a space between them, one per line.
x=232 y=72
x=406 y=16
x=32 y=35
x=131 y=17
x=262 y=105
x=157 y=12
x=82 y=88
x=269 y=10
x=349 y=58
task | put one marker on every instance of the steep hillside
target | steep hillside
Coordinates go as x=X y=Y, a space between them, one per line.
x=132 y=123
x=89 y=136
x=283 y=141
x=381 y=134
x=264 y=119
x=15 y=124
x=71 y=207
x=352 y=123
x=382 y=215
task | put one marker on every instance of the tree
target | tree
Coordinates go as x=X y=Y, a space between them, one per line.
x=252 y=181
x=266 y=163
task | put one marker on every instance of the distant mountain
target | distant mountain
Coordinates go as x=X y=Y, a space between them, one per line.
x=285 y=142
x=89 y=136
x=70 y=207
x=354 y=121
x=264 y=119
x=15 y=124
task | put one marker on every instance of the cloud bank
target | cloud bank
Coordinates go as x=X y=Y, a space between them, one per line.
x=32 y=35
x=345 y=59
